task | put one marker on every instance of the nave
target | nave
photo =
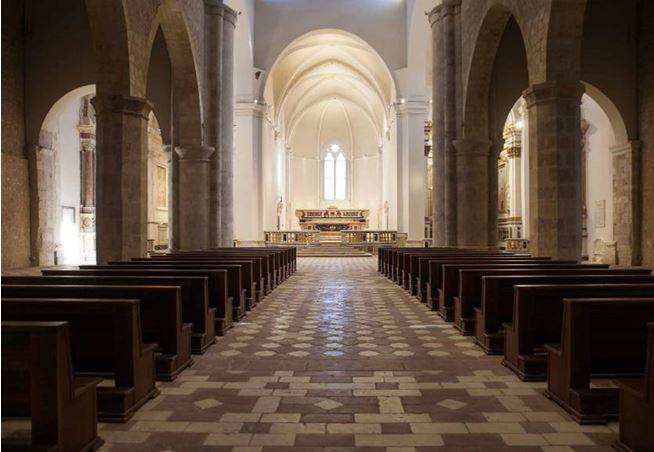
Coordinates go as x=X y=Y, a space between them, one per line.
x=338 y=356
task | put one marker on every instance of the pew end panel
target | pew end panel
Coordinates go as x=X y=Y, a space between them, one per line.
x=38 y=382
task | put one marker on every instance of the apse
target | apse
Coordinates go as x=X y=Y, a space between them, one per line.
x=328 y=100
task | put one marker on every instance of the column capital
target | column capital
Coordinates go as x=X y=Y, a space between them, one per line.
x=250 y=108
x=213 y=7
x=198 y=153
x=435 y=15
x=117 y=103
x=469 y=147
x=632 y=147
x=229 y=15
x=550 y=91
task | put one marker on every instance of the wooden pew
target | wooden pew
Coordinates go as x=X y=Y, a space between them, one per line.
x=430 y=268
x=606 y=337
x=38 y=382
x=411 y=269
x=248 y=282
x=105 y=341
x=449 y=285
x=637 y=406
x=497 y=295
x=258 y=275
x=194 y=296
x=216 y=279
x=470 y=288
x=161 y=317
x=537 y=311
x=234 y=278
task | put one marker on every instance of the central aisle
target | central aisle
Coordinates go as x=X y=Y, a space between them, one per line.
x=340 y=356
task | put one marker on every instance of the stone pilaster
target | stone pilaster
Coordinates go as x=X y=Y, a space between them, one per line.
x=226 y=166
x=627 y=202
x=555 y=168
x=450 y=16
x=173 y=217
x=213 y=30
x=438 y=155
x=121 y=189
x=194 y=170
x=86 y=129
x=411 y=117
x=472 y=184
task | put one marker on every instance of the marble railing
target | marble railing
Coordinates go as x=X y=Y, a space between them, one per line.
x=350 y=237
x=517 y=244
x=292 y=237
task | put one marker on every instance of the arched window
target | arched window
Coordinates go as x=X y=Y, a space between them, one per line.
x=335 y=174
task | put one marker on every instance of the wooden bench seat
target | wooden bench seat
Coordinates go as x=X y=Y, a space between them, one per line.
x=194 y=296
x=248 y=282
x=449 y=285
x=470 y=289
x=411 y=266
x=537 y=313
x=234 y=278
x=38 y=382
x=258 y=274
x=161 y=317
x=637 y=406
x=497 y=295
x=105 y=338
x=216 y=279
x=434 y=268
x=419 y=270
x=604 y=338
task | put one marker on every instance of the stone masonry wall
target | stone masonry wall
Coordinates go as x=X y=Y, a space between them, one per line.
x=15 y=182
x=646 y=125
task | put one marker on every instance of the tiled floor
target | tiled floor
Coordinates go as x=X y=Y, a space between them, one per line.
x=340 y=358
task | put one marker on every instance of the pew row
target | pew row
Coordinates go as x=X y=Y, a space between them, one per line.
x=604 y=338
x=496 y=307
x=216 y=279
x=105 y=339
x=537 y=314
x=637 y=406
x=194 y=297
x=160 y=313
x=38 y=382
x=469 y=294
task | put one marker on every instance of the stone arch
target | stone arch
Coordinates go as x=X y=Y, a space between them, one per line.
x=564 y=32
x=620 y=135
x=476 y=101
x=109 y=34
x=186 y=87
x=66 y=146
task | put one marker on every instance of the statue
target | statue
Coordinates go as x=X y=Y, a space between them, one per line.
x=280 y=209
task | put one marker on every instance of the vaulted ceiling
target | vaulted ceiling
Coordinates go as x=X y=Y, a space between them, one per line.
x=330 y=86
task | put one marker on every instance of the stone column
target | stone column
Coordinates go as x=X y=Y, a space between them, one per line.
x=438 y=155
x=194 y=170
x=555 y=168
x=86 y=129
x=172 y=163
x=44 y=200
x=627 y=202
x=411 y=119
x=472 y=184
x=226 y=160
x=449 y=14
x=213 y=30
x=121 y=188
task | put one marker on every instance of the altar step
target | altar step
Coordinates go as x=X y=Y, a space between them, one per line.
x=331 y=250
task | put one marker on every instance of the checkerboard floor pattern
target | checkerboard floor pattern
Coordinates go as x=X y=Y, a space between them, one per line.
x=339 y=358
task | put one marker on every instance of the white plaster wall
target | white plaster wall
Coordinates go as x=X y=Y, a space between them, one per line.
x=367 y=188
x=382 y=23
x=68 y=152
x=598 y=170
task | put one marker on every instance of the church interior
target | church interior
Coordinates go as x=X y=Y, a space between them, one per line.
x=303 y=225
